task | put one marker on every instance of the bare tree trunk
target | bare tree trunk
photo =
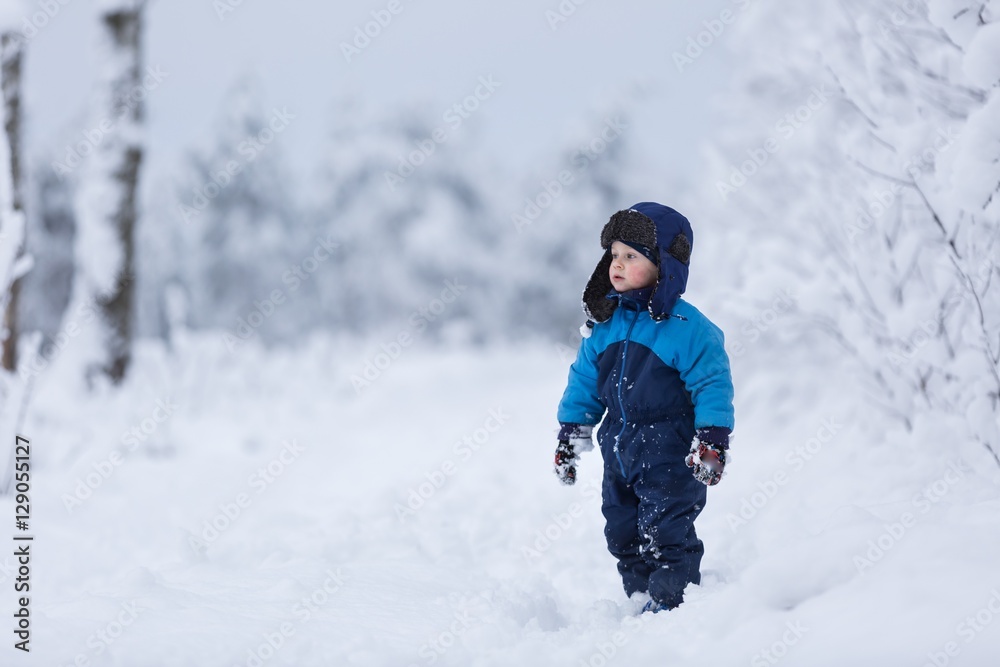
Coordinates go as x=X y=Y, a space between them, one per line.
x=104 y=281
x=14 y=391
x=10 y=80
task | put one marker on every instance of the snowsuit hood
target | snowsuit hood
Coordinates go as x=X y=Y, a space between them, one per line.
x=655 y=226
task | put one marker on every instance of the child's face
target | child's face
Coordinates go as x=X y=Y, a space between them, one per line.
x=629 y=268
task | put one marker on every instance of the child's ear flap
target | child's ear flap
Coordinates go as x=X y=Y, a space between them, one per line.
x=595 y=302
x=680 y=248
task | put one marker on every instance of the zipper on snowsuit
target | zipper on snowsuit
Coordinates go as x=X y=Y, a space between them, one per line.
x=621 y=404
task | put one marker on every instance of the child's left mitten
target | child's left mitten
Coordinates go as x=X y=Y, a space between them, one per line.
x=708 y=454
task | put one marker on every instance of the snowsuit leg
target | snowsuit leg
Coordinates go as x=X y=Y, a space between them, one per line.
x=650 y=514
x=620 y=507
x=670 y=499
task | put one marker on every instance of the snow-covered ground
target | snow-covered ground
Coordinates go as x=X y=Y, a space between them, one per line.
x=260 y=511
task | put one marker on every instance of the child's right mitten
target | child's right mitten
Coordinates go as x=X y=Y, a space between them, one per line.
x=573 y=438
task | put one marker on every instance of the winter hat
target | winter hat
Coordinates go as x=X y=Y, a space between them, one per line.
x=664 y=233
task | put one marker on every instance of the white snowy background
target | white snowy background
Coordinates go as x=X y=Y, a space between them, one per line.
x=359 y=472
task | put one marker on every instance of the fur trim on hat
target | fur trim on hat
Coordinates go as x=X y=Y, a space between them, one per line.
x=595 y=302
x=680 y=249
x=629 y=226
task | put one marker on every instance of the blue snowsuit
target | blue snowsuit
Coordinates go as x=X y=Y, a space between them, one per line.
x=658 y=367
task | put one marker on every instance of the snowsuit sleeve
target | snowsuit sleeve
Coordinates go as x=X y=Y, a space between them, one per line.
x=581 y=402
x=704 y=367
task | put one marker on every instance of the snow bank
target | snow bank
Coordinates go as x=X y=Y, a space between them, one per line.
x=254 y=509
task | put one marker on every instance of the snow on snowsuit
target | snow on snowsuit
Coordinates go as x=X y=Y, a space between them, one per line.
x=659 y=369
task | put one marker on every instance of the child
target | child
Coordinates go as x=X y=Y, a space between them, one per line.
x=659 y=369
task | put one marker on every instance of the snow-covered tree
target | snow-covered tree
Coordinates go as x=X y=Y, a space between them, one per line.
x=13 y=262
x=863 y=168
x=11 y=50
x=107 y=206
x=236 y=225
x=406 y=206
x=45 y=290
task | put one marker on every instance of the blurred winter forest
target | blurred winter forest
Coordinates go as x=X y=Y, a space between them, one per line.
x=853 y=188
x=397 y=214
